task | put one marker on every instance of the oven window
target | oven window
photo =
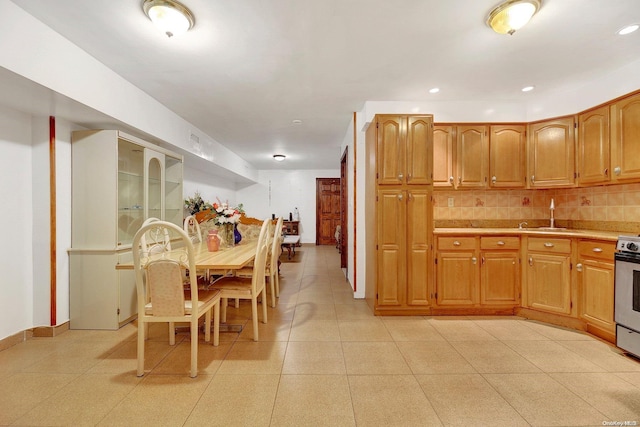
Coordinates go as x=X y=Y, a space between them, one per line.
x=636 y=291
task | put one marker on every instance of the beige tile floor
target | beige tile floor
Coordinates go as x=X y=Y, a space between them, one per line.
x=324 y=359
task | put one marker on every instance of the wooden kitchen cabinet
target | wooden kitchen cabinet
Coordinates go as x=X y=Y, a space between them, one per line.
x=595 y=271
x=507 y=150
x=404 y=150
x=457 y=273
x=625 y=134
x=500 y=270
x=593 y=146
x=404 y=236
x=549 y=275
x=551 y=153
x=460 y=154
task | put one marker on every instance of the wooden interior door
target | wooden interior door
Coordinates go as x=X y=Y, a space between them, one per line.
x=327 y=210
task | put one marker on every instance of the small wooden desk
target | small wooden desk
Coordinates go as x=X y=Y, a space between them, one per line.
x=289 y=243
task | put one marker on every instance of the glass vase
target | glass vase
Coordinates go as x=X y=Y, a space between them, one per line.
x=228 y=234
x=237 y=237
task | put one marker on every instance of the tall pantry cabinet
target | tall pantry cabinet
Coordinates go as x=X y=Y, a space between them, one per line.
x=118 y=181
x=403 y=208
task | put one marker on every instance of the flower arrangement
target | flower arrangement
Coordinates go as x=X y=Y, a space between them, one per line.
x=196 y=204
x=223 y=214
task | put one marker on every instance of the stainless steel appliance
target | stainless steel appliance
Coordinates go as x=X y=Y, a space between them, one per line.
x=627 y=294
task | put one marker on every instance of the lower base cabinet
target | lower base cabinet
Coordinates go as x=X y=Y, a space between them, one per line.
x=549 y=275
x=500 y=271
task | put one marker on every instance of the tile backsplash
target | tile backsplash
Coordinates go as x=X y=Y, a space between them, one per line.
x=611 y=203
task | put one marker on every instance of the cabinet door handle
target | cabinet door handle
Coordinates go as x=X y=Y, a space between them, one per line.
x=579 y=267
x=606 y=172
x=399 y=196
x=400 y=177
x=500 y=243
x=533 y=179
x=451 y=180
x=548 y=245
x=474 y=260
x=408 y=177
x=617 y=170
x=531 y=261
x=482 y=260
x=597 y=250
x=456 y=243
x=494 y=179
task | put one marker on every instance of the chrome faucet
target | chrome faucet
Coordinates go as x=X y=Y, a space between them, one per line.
x=522 y=225
x=552 y=207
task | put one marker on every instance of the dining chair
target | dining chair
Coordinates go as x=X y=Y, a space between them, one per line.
x=271 y=267
x=160 y=291
x=248 y=287
x=150 y=244
x=192 y=228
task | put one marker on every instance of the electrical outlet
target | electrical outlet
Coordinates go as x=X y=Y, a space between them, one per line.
x=450 y=202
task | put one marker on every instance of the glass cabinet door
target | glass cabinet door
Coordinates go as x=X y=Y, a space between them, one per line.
x=155 y=177
x=173 y=202
x=130 y=190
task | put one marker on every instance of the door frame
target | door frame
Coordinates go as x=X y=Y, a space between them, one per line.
x=343 y=208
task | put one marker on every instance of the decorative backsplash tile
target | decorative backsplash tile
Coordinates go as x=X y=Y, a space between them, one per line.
x=619 y=203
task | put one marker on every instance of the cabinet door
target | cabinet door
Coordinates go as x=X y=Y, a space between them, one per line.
x=506 y=156
x=443 y=156
x=173 y=200
x=392 y=270
x=418 y=244
x=551 y=153
x=549 y=283
x=593 y=146
x=471 y=156
x=154 y=184
x=391 y=140
x=457 y=278
x=625 y=134
x=419 y=141
x=597 y=291
x=500 y=278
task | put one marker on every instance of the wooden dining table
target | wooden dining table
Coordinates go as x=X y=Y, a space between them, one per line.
x=233 y=258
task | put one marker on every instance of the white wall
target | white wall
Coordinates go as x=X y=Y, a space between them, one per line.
x=16 y=213
x=210 y=187
x=280 y=192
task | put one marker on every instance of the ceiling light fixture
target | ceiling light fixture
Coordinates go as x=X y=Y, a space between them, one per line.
x=512 y=15
x=528 y=88
x=628 y=29
x=279 y=157
x=171 y=17
x=434 y=90
x=296 y=121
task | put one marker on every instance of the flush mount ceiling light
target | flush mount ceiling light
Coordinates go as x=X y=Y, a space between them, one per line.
x=434 y=90
x=512 y=15
x=279 y=157
x=528 y=88
x=171 y=17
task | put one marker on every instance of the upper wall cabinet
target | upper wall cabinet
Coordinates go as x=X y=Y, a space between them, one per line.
x=460 y=156
x=625 y=139
x=551 y=149
x=593 y=146
x=404 y=149
x=507 y=156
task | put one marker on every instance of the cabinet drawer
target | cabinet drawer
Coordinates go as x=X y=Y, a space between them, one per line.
x=599 y=250
x=549 y=245
x=496 y=242
x=456 y=243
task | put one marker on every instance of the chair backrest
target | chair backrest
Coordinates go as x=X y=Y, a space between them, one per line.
x=158 y=275
x=192 y=228
x=257 y=278
x=274 y=251
x=153 y=244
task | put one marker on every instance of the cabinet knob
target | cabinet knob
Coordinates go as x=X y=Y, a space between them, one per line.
x=474 y=260
x=408 y=177
x=451 y=179
x=494 y=179
x=548 y=245
x=459 y=180
x=533 y=179
x=597 y=250
x=399 y=196
x=409 y=196
x=606 y=172
x=500 y=243
x=482 y=260
x=617 y=170
x=456 y=243
x=400 y=177
x=531 y=261
x=579 y=267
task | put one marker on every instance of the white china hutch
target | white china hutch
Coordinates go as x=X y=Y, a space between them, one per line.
x=118 y=181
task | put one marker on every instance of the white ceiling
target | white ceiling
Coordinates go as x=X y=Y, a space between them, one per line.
x=250 y=67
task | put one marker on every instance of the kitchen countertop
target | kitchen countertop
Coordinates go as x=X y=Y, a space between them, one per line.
x=583 y=234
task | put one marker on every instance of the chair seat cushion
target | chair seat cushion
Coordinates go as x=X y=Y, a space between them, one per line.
x=204 y=297
x=233 y=285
